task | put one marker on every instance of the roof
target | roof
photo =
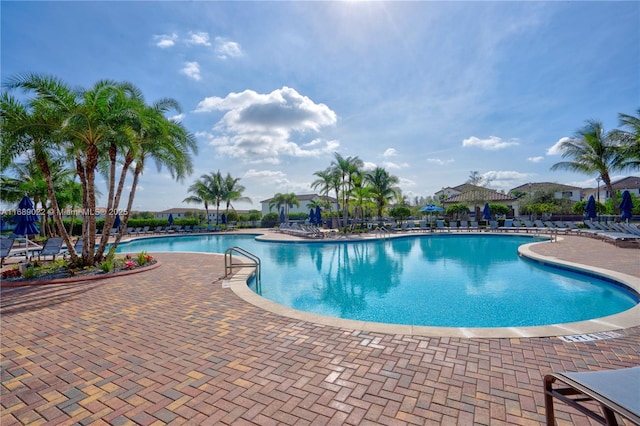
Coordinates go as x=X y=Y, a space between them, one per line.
x=629 y=182
x=482 y=195
x=182 y=210
x=543 y=186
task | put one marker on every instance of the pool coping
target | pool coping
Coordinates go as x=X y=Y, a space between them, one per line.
x=626 y=319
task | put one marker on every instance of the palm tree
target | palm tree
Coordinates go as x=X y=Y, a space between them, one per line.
x=207 y=190
x=629 y=141
x=200 y=195
x=592 y=151
x=383 y=188
x=347 y=168
x=33 y=127
x=284 y=200
x=232 y=191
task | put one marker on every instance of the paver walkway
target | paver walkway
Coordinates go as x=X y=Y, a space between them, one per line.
x=172 y=346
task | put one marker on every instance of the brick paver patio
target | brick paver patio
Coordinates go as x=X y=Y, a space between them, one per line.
x=171 y=345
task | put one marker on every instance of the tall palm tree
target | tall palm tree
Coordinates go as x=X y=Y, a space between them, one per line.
x=232 y=191
x=284 y=200
x=629 y=140
x=383 y=188
x=591 y=151
x=200 y=195
x=347 y=168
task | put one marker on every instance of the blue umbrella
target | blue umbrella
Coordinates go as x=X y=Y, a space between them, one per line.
x=318 y=215
x=486 y=212
x=117 y=222
x=223 y=219
x=282 y=215
x=312 y=217
x=626 y=205
x=26 y=219
x=590 y=208
x=170 y=219
x=431 y=208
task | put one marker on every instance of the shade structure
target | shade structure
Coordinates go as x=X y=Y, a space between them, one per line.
x=312 y=217
x=486 y=212
x=170 y=219
x=117 y=222
x=590 y=208
x=626 y=205
x=282 y=215
x=431 y=208
x=223 y=219
x=26 y=218
x=318 y=215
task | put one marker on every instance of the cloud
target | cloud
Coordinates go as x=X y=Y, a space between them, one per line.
x=555 y=149
x=192 y=70
x=199 y=38
x=368 y=166
x=177 y=117
x=492 y=144
x=390 y=152
x=165 y=40
x=439 y=161
x=506 y=179
x=392 y=165
x=535 y=159
x=260 y=127
x=227 y=49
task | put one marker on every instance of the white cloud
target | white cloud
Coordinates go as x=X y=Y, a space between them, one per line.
x=199 y=38
x=535 y=159
x=506 y=179
x=177 y=117
x=192 y=70
x=227 y=49
x=493 y=143
x=555 y=149
x=368 y=166
x=392 y=165
x=404 y=182
x=165 y=40
x=259 y=127
x=440 y=161
x=390 y=152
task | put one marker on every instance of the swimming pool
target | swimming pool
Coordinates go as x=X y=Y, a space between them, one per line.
x=440 y=281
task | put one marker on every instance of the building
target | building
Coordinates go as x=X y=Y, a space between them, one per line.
x=559 y=190
x=182 y=213
x=475 y=197
x=304 y=200
x=601 y=193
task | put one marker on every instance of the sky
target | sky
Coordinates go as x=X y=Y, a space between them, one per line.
x=431 y=91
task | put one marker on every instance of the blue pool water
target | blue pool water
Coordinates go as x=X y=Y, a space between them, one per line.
x=446 y=281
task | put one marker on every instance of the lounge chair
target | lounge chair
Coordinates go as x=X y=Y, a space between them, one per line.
x=493 y=225
x=52 y=247
x=473 y=226
x=508 y=225
x=6 y=244
x=464 y=225
x=616 y=391
x=423 y=226
x=440 y=225
x=453 y=225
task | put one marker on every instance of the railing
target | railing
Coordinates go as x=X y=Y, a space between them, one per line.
x=383 y=232
x=229 y=264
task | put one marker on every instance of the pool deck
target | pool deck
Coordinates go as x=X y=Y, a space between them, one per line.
x=174 y=345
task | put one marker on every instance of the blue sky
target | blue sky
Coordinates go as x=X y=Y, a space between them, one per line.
x=429 y=90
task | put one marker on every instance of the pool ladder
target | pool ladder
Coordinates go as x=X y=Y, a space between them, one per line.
x=383 y=232
x=229 y=264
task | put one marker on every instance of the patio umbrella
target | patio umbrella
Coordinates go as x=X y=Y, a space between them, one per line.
x=590 y=208
x=117 y=222
x=626 y=205
x=312 y=217
x=170 y=219
x=26 y=219
x=486 y=212
x=431 y=208
x=223 y=219
x=282 y=215
x=318 y=215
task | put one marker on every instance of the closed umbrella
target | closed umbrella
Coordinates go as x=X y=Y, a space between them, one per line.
x=26 y=219
x=282 y=215
x=590 y=208
x=312 y=217
x=117 y=222
x=486 y=212
x=318 y=215
x=223 y=219
x=170 y=219
x=626 y=205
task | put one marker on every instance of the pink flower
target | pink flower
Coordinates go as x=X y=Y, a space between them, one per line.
x=130 y=264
